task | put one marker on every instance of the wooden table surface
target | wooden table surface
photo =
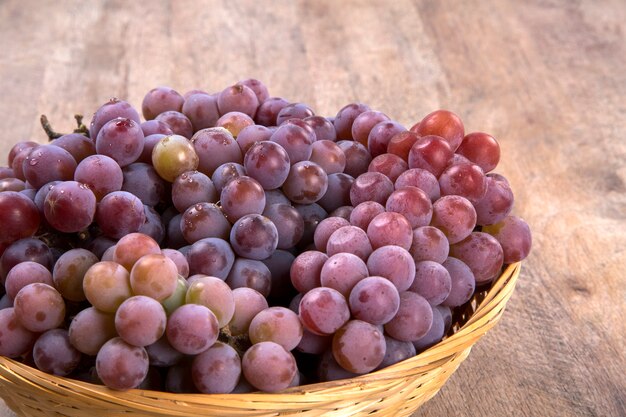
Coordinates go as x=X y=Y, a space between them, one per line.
x=547 y=78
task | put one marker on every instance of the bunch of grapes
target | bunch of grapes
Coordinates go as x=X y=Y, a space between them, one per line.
x=236 y=242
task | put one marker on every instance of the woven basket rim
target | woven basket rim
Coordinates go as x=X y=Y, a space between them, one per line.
x=454 y=347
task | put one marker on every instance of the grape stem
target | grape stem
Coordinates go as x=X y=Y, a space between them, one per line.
x=239 y=343
x=52 y=134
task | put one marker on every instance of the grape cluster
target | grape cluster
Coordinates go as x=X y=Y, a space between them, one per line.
x=235 y=242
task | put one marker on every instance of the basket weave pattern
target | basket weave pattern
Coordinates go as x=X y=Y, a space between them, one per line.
x=395 y=391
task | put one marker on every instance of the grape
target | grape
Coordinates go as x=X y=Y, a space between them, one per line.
x=293 y=111
x=380 y=136
x=350 y=239
x=204 y=220
x=434 y=335
x=358 y=157
x=268 y=110
x=47 y=163
x=289 y=224
x=12 y=184
x=19 y=147
x=78 y=145
x=175 y=238
x=234 y=122
x=371 y=186
x=401 y=143
x=394 y=263
x=482 y=149
x=364 y=123
x=250 y=273
x=110 y=110
x=216 y=370
x=159 y=100
x=260 y=89
x=101 y=174
x=27 y=249
x=248 y=303
x=143 y=181
x=279 y=264
x=149 y=143
x=305 y=270
x=70 y=206
x=465 y=180
x=178 y=297
x=162 y=354
x=5 y=302
x=108 y=254
x=276 y=324
x=431 y=153
x=107 y=285
x=178 y=122
x=432 y=281
x=132 y=247
x=429 y=244
x=15 y=339
x=26 y=273
x=54 y=354
x=345 y=119
x=153 y=225
x=326 y=228
x=496 y=204
x=201 y=110
x=254 y=236
x=446 y=314
x=198 y=91
x=413 y=320
x=39 y=307
x=268 y=163
x=17 y=166
x=120 y=213
x=313 y=343
x=422 y=179
x=275 y=197
x=99 y=245
x=342 y=271
x=238 y=98
x=174 y=155
x=69 y=271
x=154 y=275
x=211 y=256
x=18 y=215
x=329 y=370
x=388 y=164
x=214 y=294
x=154 y=127
x=328 y=155
x=359 y=347
x=121 y=366
x=121 y=139
x=140 y=320
x=225 y=173
x=90 y=329
x=396 y=351
x=390 y=228
x=463 y=282
x=323 y=311
x=445 y=124
x=306 y=183
x=375 y=300
x=242 y=196
x=192 y=329
x=179 y=379
x=295 y=140
x=364 y=212
x=252 y=134
x=323 y=128
x=482 y=253
x=514 y=236
x=338 y=192
x=454 y=216
x=269 y=367
x=413 y=204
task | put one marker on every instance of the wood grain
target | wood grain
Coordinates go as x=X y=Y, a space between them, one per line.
x=545 y=77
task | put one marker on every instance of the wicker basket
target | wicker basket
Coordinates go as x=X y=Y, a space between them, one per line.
x=394 y=391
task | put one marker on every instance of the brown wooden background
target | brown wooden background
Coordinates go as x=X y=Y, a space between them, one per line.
x=545 y=77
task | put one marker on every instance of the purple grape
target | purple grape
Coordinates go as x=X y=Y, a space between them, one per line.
x=70 y=207
x=323 y=128
x=101 y=174
x=374 y=300
x=48 y=163
x=413 y=204
x=211 y=256
x=260 y=89
x=226 y=172
x=110 y=110
x=514 y=236
x=394 y=263
x=463 y=282
x=122 y=140
x=15 y=339
x=19 y=217
x=178 y=122
x=432 y=281
x=201 y=110
x=422 y=179
x=153 y=225
x=159 y=100
x=215 y=146
x=342 y=272
x=350 y=239
x=390 y=228
x=465 y=180
x=429 y=244
x=238 y=98
x=121 y=366
x=216 y=370
x=254 y=236
x=364 y=212
x=454 y=216
x=242 y=196
x=27 y=249
x=276 y=324
x=23 y=274
x=269 y=367
x=413 y=320
x=295 y=140
x=39 y=307
x=496 y=204
x=268 y=163
x=54 y=354
x=154 y=127
x=371 y=186
x=143 y=181
x=345 y=119
x=269 y=109
x=359 y=347
x=248 y=303
x=204 y=220
x=338 y=192
x=78 y=145
x=91 y=329
x=140 y=320
x=192 y=329
x=431 y=153
x=69 y=271
x=329 y=370
x=396 y=351
x=120 y=213
x=482 y=253
x=392 y=166
x=150 y=141
x=434 y=335
x=250 y=273
x=306 y=269
x=358 y=157
x=313 y=343
x=325 y=229
x=380 y=136
x=289 y=224
x=323 y=311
